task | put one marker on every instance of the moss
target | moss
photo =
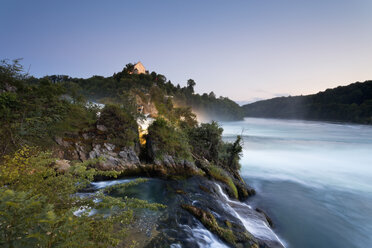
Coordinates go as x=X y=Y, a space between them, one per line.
x=210 y=222
x=220 y=175
x=205 y=189
x=180 y=192
x=178 y=177
x=228 y=224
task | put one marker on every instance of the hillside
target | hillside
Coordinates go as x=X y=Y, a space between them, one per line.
x=352 y=103
x=55 y=144
x=151 y=87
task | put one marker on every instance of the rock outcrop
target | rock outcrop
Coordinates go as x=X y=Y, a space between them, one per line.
x=94 y=145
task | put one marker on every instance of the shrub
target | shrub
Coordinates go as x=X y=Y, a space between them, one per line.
x=206 y=140
x=37 y=205
x=168 y=140
x=122 y=128
x=230 y=154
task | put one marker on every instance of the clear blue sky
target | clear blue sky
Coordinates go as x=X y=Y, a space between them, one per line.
x=241 y=49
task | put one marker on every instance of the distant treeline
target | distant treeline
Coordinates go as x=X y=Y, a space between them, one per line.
x=352 y=103
x=119 y=85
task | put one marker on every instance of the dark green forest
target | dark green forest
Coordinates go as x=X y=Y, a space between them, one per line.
x=352 y=103
x=123 y=84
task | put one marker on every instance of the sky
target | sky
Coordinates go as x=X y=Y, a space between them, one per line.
x=243 y=49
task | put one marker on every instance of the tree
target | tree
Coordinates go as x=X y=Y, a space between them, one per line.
x=212 y=95
x=235 y=151
x=128 y=68
x=206 y=140
x=190 y=85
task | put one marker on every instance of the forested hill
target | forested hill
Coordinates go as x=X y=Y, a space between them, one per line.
x=152 y=87
x=352 y=103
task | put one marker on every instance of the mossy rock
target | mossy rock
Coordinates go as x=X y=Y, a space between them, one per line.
x=230 y=236
x=221 y=175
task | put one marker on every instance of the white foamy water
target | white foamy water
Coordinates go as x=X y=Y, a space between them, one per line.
x=313 y=178
x=254 y=224
x=203 y=237
x=97 y=185
x=105 y=184
x=314 y=153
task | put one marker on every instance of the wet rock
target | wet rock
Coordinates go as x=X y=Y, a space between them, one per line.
x=233 y=237
x=81 y=152
x=129 y=156
x=109 y=147
x=268 y=219
x=126 y=160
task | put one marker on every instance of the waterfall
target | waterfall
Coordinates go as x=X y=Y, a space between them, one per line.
x=251 y=221
x=201 y=236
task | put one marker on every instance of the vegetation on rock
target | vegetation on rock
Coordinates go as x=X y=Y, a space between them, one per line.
x=155 y=86
x=38 y=204
x=233 y=237
x=122 y=129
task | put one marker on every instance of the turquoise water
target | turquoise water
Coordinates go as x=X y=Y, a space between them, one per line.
x=313 y=178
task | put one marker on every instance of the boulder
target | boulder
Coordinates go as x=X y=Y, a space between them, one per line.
x=81 y=152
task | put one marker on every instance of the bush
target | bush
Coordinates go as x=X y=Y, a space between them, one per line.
x=230 y=154
x=206 y=140
x=122 y=128
x=168 y=140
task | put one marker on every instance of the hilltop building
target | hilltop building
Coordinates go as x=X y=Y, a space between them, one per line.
x=139 y=68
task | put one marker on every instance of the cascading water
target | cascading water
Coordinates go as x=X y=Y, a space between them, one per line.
x=250 y=219
x=201 y=236
x=182 y=229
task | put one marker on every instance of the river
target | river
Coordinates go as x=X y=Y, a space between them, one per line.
x=314 y=179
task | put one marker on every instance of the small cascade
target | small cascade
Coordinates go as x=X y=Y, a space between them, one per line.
x=250 y=219
x=97 y=186
x=201 y=236
x=105 y=184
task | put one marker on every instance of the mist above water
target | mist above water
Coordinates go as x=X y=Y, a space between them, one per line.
x=313 y=178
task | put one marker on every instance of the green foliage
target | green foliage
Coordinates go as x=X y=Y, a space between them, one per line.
x=206 y=140
x=352 y=103
x=190 y=85
x=37 y=205
x=184 y=118
x=210 y=222
x=168 y=139
x=33 y=111
x=122 y=129
x=230 y=154
x=163 y=93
